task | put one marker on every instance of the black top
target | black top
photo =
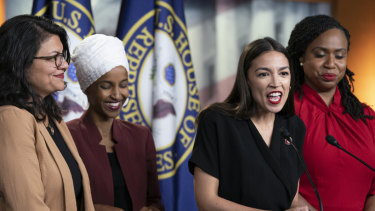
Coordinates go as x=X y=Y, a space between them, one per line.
x=69 y=159
x=249 y=172
x=121 y=193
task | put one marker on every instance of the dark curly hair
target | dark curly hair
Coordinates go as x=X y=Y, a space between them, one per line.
x=240 y=102
x=20 y=40
x=305 y=32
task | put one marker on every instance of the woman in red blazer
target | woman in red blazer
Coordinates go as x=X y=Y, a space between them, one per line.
x=120 y=156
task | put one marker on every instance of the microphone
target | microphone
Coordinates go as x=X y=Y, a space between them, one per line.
x=331 y=140
x=289 y=141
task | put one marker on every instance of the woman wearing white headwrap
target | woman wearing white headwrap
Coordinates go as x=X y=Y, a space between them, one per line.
x=119 y=156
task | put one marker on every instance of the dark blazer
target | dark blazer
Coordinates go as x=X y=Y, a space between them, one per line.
x=135 y=152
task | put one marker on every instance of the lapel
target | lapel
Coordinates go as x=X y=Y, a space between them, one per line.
x=69 y=195
x=123 y=148
x=272 y=154
x=92 y=135
x=73 y=149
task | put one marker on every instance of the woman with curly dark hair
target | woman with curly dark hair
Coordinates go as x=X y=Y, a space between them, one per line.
x=324 y=100
x=40 y=165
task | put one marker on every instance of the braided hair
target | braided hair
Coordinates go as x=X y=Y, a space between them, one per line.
x=305 y=32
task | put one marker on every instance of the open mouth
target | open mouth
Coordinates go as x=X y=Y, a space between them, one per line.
x=113 y=106
x=274 y=97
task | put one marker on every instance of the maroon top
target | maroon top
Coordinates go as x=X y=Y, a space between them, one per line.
x=342 y=182
x=135 y=152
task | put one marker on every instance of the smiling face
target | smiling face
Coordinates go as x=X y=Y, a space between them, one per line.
x=269 y=81
x=324 y=62
x=108 y=94
x=43 y=75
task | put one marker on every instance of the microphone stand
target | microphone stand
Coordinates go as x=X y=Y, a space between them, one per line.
x=286 y=135
x=309 y=176
x=331 y=140
x=357 y=159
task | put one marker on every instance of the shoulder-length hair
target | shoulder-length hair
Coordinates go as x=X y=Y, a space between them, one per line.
x=240 y=102
x=20 y=40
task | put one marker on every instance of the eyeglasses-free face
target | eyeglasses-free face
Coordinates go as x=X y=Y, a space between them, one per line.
x=107 y=95
x=269 y=80
x=325 y=60
x=46 y=73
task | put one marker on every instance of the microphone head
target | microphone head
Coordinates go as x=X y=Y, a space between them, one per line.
x=286 y=135
x=331 y=140
x=284 y=132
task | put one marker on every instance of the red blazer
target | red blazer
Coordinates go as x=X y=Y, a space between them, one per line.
x=135 y=152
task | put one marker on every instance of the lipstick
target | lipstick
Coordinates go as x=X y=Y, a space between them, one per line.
x=61 y=75
x=113 y=106
x=329 y=76
x=274 y=97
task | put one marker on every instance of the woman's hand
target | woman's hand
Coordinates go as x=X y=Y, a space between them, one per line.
x=300 y=204
x=104 y=207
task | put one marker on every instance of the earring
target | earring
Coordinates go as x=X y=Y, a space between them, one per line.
x=301 y=64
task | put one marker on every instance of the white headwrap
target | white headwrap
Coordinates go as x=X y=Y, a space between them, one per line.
x=96 y=55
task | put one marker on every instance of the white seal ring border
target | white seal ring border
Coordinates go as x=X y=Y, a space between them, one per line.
x=170 y=158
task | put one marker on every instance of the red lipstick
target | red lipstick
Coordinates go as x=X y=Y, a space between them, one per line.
x=329 y=76
x=113 y=106
x=61 y=75
x=274 y=97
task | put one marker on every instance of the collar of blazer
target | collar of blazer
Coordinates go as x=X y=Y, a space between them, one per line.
x=69 y=195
